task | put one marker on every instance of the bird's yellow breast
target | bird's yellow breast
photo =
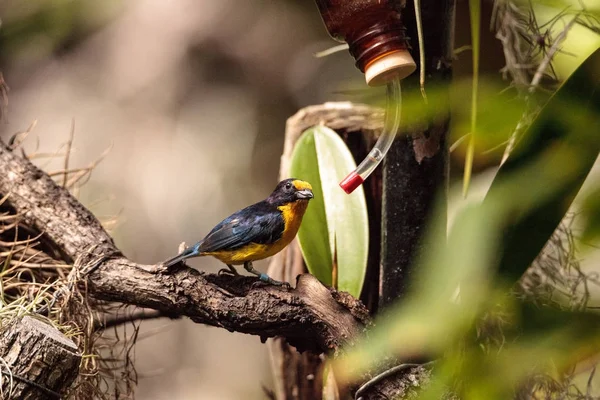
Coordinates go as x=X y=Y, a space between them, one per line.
x=292 y=214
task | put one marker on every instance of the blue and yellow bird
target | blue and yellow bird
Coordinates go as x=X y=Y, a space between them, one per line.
x=255 y=232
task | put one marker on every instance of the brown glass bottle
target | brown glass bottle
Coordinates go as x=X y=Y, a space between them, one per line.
x=374 y=32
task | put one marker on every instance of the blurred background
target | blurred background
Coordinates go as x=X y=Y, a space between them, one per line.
x=190 y=98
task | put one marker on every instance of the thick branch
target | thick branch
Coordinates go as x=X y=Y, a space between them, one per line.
x=310 y=317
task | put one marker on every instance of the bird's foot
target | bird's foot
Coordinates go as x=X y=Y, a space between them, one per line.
x=230 y=270
x=225 y=271
x=264 y=279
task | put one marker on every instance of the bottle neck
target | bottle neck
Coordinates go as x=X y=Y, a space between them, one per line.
x=376 y=41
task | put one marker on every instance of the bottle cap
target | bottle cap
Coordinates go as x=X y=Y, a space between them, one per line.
x=351 y=182
x=397 y=64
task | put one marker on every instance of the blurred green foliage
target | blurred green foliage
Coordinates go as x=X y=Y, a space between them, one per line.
x=566 y=133
x=33 y=30
x=462 y=308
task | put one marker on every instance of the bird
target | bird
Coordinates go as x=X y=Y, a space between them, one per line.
x=255 y=232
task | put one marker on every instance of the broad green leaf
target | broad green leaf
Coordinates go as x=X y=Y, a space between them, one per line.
x=336 y=224
x=567 y=127
x=313 y=235
x=347 y=217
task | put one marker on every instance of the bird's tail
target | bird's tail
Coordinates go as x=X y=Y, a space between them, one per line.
x=189 y=252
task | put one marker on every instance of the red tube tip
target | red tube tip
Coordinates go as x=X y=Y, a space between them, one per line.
x=351 y=182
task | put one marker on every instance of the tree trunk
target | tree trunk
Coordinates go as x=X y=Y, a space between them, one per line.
x=39 y=362
x=415 y=170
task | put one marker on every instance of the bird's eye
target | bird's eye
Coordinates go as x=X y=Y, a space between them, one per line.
x=288 y=186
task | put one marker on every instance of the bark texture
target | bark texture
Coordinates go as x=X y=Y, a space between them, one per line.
x=42 y=360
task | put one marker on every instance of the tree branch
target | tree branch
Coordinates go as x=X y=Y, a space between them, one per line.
x=310 y=317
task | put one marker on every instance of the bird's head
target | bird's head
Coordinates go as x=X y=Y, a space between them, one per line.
x=291 y=190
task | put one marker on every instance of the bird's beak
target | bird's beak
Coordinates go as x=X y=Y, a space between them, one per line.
x=304 y=194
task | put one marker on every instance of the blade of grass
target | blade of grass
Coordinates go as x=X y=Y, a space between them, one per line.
x=419 y=20
x=475 y=16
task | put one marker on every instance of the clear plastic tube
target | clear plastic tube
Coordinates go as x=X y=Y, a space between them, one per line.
x=390 y=128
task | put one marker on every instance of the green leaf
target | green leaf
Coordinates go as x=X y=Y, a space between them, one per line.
x=335 y=224
x=566 y=129
x=313 y=235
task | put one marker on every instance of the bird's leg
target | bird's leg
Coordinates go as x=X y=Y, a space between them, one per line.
x=264 y=277
x=231 y=270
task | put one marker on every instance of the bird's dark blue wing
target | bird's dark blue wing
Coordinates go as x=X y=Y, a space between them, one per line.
x=260 y=223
